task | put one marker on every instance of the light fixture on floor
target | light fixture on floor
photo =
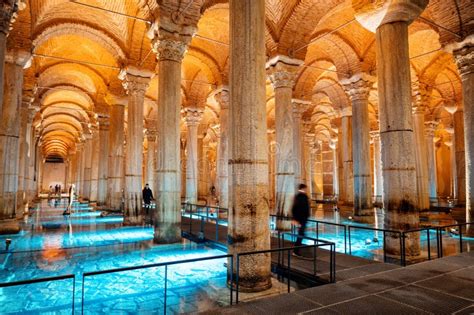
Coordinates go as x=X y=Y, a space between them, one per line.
x=8 y=241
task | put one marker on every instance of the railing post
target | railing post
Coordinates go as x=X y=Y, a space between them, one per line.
x=429 y=246
x=384 y=248
x=237 y=280
x=289 y=269
x=231 y=279
x=74 y=294
x=460 y=238
x=441 y=243
x=166 y=287
x=82 y=295
x=317 y=229
x=437 y=242
x=207 y=214
x=404 y=262
x=217 y=231
x=314 y=257
x=345 y=240
x=350 y=247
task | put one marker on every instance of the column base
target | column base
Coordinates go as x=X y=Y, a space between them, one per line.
x=245 y=285
x=167 y=233
x=9 y=226
x=364 y=218
x=131 y=221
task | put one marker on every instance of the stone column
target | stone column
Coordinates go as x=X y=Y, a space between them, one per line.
x=328 y=171
x=87 y=166
x=318 y=171
x=378 y=179
x=450 y=141
x=8 y=14
x=103 y=171
x=358 y=88
x=396 y=123
x=299 y=107
x=248 y=220
x=116 y=174
x=192 y=117
x=335 y=167
x=464 y=55
x=136 y=83
x=222 y=98
x=308 y=167
x=23 y=156
x=422 y=182
x=80 y=169
x=170 y=47
x=30 y=137
x=460 y=155
x=271 y=168
x=9 y=139
x=346 y=154
x=282 y=73
x=151 y=136
x=430 y=127
x=95 y=147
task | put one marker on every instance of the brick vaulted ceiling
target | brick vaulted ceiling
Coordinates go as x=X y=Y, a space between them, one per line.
x=80 y=46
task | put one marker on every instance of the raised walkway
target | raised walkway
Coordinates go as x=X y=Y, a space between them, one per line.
x=441 y=286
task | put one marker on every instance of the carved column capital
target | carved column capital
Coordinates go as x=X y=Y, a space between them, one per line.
x=135 y=80
x=358 y=86
x=299 y=107
x=282 y=71
x=192 y=116
x=21 y=58
x=222 y=97
x=465 y=60
x=430 y=128
x=9 y=13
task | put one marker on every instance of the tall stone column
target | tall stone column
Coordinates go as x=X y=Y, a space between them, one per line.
x=192 y=117
x=151 y=136
x=282 y=73
x=460 y=155
x=30 y=173
x=299 y=107
x=271 y=168
x=95 y=147
x=450 y=141
x=308 y=167
x=464 y=55
x=318 y=171
x=248 y=221
x=23 y=156
x=335 y=167
x=396 y=123
x=80 y=169
x=8 y=14
x=136 y=83
x=422 y=182
x=222 y=98
x=9 y=139
x=328 y=171
x=104 y=125
x=378 y=179
x=430 y=127
x=358 y=88
x=346 y=154
x=116 y=174
x=170 y=45
x=87 y=166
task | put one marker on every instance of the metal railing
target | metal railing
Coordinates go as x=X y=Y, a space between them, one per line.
x=47 y=279
x=163 y=264
x=289 y=250
x=317 y=243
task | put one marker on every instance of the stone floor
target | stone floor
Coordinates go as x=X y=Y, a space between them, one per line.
x=442 y=286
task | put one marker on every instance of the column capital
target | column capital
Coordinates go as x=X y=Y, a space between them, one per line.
x=135 y=80
x=346 y=111
x=192 y=116
x=372 y=14
x=358 y=86
x=8 y=13
x=430 y=127
x=21 y=58
x=151 y=134
x=221 y=96
x=104 y=122
x=170 y=39
x=282 y=71
x=375 y=135
x=299 y=107
x=464 y=58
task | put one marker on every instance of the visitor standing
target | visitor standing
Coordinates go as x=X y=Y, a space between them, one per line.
x=147 y=198
x=300 y=212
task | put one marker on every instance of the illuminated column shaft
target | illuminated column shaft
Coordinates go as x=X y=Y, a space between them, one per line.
x=222 y=97
x=430 y=127
x=103 y=160
x=192 y=118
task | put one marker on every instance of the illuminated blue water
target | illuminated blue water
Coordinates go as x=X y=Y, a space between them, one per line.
x=52 y=245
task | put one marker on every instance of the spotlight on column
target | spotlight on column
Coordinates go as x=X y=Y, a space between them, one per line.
x=350 y=218
x=8 y=241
